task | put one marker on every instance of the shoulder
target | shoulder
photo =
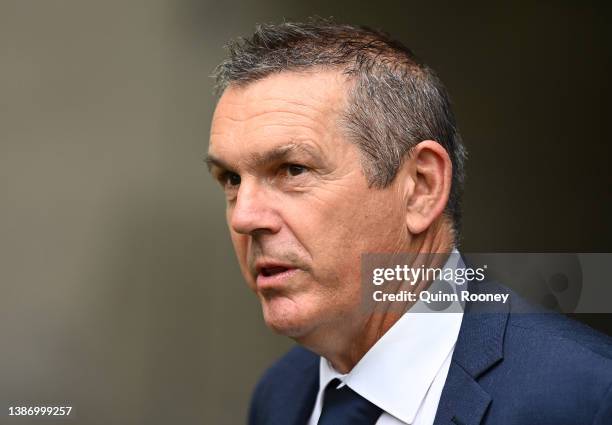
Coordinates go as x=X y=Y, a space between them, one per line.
x=290 y=379
x=553 y=333
x=542 y=330
x=553 y=367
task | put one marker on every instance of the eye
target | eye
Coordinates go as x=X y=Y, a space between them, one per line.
x=230 y=179
x=295 y=169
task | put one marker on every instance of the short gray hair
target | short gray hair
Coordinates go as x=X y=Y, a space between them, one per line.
x=396 y=101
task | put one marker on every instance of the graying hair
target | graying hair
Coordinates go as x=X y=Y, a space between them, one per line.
x=396 y=101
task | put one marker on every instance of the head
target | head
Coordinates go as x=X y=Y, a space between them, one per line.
x=330 y=141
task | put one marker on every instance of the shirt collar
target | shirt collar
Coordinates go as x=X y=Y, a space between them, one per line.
x=396 y=373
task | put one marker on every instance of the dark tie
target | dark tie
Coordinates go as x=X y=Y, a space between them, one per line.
x=344 y=406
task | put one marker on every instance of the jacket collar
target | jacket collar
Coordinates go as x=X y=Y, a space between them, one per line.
x=479 y=347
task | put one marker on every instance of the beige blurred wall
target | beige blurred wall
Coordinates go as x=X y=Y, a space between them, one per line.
x=120 y=296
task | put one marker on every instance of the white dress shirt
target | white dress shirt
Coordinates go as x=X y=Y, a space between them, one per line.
x=405 y=371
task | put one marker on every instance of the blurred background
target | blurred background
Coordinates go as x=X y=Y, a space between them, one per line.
x=120 y=295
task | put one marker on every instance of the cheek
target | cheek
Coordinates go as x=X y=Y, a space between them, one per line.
x=332 y=235
x=382 y=224
x=337 y=234
x=240 y=243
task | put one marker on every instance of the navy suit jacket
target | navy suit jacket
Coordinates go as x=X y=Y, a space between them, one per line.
x=514 y=365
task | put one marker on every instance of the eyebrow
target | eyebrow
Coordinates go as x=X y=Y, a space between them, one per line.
x=212 y=161
x=273 y=155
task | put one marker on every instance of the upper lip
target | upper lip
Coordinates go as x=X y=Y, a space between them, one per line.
x=268 y=264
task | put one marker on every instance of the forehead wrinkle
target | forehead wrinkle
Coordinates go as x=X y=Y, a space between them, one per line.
x=295 y=107
x=287 y=114
x=259 y=133
x=248 y=102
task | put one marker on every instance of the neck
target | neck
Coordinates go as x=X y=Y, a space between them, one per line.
x=344 y=343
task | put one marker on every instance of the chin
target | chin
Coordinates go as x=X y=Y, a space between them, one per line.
x=285 y=317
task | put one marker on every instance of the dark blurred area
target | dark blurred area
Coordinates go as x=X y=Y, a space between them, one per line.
x=120 y=292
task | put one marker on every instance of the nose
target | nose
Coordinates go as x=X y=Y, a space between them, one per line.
x=253 y=212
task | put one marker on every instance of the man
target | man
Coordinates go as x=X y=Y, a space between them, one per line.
x=331 y=142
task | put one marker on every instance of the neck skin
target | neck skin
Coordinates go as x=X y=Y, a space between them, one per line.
x=344 y=343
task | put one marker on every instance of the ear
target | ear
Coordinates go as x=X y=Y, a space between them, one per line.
x=430 y=169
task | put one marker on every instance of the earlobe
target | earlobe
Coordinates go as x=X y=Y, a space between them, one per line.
x=430 y=170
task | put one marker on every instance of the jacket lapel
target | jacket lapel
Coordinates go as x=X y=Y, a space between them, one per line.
x=479 y=347
x=463 y=401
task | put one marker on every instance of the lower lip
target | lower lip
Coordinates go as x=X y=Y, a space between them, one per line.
x=275 y=281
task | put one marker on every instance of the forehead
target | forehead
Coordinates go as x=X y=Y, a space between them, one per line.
x=280 y=108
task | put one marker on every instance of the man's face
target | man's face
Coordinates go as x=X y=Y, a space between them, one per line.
x=299 y=208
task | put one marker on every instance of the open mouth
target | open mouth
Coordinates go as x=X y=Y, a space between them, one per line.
x=271 y=271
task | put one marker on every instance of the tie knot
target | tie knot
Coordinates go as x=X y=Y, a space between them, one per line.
x=344 y=406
